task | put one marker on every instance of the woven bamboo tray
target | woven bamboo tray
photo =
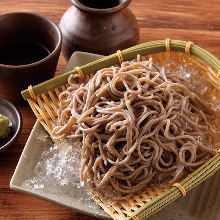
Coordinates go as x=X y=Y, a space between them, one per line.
x=43 y=99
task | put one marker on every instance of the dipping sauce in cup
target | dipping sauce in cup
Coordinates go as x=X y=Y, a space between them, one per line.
x=24 y=52
x=30 y=46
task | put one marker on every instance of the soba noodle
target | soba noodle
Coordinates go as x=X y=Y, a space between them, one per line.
x=137 y=126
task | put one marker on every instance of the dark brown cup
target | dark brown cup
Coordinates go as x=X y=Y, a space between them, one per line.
x=27 y=27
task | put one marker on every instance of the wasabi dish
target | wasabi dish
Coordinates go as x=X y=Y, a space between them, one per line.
x=4 y=126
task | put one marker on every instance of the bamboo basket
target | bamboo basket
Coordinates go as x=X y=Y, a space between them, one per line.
x=43 y=99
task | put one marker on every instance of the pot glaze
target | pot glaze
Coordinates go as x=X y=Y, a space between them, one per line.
x=98 y=26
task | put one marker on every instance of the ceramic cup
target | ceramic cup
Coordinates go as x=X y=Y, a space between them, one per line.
x=30 y=46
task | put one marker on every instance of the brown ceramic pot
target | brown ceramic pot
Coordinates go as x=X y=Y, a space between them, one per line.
x=16 y=29
x=98 y=26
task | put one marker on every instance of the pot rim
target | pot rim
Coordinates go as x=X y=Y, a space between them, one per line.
x=122 y=4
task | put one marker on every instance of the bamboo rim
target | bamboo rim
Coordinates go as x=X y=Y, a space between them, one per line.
x=192 y=180
x=128 y=54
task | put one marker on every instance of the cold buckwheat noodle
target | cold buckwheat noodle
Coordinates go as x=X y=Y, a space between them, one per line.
x=137 y=127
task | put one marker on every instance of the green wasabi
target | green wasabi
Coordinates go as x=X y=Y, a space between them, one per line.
x=4 y=126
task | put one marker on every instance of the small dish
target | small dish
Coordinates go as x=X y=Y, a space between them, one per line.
x=11 y=112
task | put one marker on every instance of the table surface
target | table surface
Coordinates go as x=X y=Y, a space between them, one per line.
x=197 y=21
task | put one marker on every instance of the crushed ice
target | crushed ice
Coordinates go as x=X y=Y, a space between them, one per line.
x=189 y=76
x=58 y=166
x=42 y=136
x=58 y=172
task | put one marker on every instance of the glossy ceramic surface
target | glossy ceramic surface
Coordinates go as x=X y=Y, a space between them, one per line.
x=98 y=27
x=27 y=27
x=11 y=112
